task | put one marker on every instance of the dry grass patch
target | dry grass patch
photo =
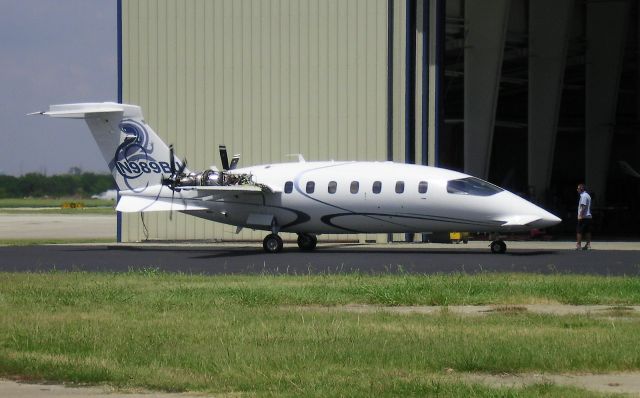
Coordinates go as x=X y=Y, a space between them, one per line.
x=509 y=309
x=607 y=383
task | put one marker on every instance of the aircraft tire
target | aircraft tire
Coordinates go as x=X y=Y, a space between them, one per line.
x=498 y=247
x=307 y=242
x=272 y=243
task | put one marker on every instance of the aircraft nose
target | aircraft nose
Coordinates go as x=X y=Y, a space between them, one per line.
x=547 y=220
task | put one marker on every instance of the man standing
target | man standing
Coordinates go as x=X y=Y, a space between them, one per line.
x=584 y=219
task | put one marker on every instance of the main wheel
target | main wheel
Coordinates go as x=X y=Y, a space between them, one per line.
x=307 y=242
x=498 y=246
x=272 y=243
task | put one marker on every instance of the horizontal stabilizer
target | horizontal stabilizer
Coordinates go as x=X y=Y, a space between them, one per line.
x=133 y=204
x=519 y=221
x=80 y=111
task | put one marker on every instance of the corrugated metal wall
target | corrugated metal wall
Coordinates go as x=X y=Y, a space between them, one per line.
x=266 y=78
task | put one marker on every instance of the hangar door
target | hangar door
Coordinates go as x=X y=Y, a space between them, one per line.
x=266 y=78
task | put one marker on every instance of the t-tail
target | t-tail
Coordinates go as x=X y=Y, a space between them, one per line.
x=136 y=156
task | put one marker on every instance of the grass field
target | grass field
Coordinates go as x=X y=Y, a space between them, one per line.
x=287 y=335
x=52 y=202
x=56 y=206
x=54 y=210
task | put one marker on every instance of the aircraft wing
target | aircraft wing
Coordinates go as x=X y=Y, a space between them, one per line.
x=220 y=191
x=133 y=204
x=153 y=201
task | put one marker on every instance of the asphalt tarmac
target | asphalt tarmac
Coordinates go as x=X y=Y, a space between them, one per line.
x=249 y=258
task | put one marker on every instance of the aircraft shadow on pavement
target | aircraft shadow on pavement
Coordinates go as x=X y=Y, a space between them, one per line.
x=287 y=252
x=220 y=252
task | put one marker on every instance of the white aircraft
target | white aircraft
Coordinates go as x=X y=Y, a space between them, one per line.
x=307 y=198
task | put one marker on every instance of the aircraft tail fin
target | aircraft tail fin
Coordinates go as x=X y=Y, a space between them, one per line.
x=136 y=156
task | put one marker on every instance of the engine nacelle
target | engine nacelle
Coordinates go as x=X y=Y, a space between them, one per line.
x=212 y=178
x=205 y=178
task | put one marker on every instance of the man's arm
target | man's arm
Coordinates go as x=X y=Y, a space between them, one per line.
x=582 y=209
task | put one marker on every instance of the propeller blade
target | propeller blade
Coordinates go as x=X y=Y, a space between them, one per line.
x=168 y=182
x=172 y=160
x=234 y=162
x=181 y=169
x=173 y=193
x=174 y=178
x=223 y=157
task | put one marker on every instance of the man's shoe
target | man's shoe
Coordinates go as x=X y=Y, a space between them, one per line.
x=586 y=247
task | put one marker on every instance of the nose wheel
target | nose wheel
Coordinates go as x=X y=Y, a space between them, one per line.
x=307 y=242
x=498 y=247
x=272 y=243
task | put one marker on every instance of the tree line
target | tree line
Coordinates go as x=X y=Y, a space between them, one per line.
x=39 y=185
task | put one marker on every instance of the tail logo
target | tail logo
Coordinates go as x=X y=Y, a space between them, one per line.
x=134 y=156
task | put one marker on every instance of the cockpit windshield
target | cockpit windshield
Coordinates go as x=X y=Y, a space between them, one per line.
x=472 y=186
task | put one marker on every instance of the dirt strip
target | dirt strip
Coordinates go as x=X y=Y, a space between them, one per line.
x=14 y=389
x=480 y=310
x=611 y=383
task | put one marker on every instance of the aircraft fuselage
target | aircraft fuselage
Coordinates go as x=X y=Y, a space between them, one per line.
x=370 y=197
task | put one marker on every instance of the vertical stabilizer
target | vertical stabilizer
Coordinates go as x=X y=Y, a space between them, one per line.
x=136 y=156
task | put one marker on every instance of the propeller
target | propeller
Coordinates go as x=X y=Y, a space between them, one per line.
x=224 y=158
x=173 y=179
x=234 y=162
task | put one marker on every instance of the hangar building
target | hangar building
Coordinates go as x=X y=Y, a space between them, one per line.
x=535 y=96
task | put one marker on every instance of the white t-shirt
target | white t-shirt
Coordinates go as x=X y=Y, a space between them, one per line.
x=585 y=200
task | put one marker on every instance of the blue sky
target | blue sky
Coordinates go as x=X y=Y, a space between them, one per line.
x=53 y=52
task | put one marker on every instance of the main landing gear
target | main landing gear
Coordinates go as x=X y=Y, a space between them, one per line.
x=498 y=247
x=307 y=242
x=272 y=243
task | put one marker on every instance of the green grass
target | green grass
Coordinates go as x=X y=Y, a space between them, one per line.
x=284 y=336
x=54 y=206
x=53 y=210
x=52 y=202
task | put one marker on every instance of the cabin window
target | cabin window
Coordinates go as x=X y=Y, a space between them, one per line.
x=355 y=186
x=288 y=187
x=377 y=187
x=423 y=186
x=333 y=186
x=399 y=186
x=472 y=186
x=311 y=186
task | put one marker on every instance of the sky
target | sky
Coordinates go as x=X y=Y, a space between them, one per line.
x=53 y=52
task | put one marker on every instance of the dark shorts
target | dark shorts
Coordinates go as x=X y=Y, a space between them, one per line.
x=584 y=226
